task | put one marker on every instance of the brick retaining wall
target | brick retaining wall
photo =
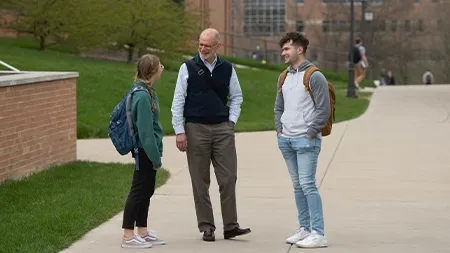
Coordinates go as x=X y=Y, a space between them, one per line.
x=37 y=124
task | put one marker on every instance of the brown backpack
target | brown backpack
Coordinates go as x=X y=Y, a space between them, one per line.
x=309 y=71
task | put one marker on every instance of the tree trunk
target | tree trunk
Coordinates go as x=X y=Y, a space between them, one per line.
x=42 y=43
x=141 y=51
x=130 y=53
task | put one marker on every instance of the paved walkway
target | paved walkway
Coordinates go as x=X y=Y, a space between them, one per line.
x=384 y=179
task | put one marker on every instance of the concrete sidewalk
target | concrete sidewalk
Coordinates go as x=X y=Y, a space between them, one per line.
x=385 y=185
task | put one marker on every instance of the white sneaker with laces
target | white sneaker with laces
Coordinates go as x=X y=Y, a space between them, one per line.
x=299 y=235
x=314 y=240
x=152 y=238
x=136 y=242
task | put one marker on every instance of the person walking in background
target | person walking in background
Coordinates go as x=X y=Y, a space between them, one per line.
x=428 y=77
x=145 y=112
x=391 y=78
x=298 y=123
x=361 y=63
x=208 y=96
x=383 y=77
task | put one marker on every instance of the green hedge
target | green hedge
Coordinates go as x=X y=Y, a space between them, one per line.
x=337 y=76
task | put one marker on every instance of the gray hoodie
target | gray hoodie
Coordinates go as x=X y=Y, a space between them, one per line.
x=295 y=113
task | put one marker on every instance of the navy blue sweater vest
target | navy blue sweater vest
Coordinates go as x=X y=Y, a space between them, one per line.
x=207 y=92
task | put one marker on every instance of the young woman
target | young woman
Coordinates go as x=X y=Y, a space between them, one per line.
x=145 y=113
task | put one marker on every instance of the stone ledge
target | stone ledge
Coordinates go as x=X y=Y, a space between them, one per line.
x=11 y=78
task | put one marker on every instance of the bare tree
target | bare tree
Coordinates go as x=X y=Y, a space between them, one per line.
x=441 y=56
x=334 y=37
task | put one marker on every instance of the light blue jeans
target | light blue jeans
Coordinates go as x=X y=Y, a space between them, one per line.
x=301 y=156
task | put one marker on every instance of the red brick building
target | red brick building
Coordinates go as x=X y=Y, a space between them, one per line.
x=6 y=19
x=251 y=26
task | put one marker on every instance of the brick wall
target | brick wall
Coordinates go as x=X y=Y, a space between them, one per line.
x=7 y=18
x=37 y=126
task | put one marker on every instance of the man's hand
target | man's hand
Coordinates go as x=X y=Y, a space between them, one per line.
x=181 y=141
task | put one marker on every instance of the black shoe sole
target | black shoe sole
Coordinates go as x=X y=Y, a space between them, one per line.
x=209 y=239
x=233 y=236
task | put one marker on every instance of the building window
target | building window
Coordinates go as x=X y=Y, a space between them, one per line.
x=420 y=25
x=264 y=17
x=383 y=25
x=300 y=27
x=394 y=25
x=407 y=26
x=325 y=26
x=300 y=1
x=337 y=26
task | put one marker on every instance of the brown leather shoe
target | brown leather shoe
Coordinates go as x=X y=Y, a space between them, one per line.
x=236 y=232
x=208 y=236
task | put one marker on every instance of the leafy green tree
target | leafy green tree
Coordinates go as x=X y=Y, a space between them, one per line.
x=44 y=19
x=160 y=24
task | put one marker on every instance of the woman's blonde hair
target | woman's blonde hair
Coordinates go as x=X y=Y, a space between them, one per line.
x=146 y=69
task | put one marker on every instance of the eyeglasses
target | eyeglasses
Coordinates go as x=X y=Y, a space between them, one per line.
x=206 y=46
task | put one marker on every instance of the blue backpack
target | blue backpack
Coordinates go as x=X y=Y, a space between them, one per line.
x=121 y=130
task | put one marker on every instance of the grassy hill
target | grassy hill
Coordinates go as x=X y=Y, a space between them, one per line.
x=102 y=84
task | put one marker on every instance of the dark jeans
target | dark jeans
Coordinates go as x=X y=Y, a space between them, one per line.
x=142 y=189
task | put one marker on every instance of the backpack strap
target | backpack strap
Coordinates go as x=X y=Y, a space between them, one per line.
x=282 y=78
x=194 y=65
x=130 y=122
x=309 y=71
x=128 y=106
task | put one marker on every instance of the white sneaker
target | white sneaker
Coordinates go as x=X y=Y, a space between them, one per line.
x=136 y=242
x=299 y=235
x=153 y=239
x=314 y=240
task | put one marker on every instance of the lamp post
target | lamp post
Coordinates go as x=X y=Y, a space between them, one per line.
x=366 y=16
x=351 y=77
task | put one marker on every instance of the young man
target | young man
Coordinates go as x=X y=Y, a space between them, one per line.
x=298 y=122
x=208 y=98
x=361 y=65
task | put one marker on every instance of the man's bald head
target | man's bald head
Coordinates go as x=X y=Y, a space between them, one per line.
x=210 y=33
x=208 y=44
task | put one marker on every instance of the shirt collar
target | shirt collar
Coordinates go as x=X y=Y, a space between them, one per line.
x=206 y=62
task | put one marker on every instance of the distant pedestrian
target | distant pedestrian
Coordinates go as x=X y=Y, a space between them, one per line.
x=361 y=63
x=384 y=79
x=391 y=78
x=428 y=78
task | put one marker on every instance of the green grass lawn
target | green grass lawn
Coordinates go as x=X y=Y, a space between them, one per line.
x=52 y=209
x=102 y=84
x=49 y=210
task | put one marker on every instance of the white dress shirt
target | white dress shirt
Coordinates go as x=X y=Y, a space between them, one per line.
x=235 y=96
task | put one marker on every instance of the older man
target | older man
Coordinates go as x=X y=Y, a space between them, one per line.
x=206 y=106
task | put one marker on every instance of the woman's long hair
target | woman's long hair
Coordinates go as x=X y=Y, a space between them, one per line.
x=146 y=69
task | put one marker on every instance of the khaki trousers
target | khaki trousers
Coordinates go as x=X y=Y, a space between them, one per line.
x=214 y=143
